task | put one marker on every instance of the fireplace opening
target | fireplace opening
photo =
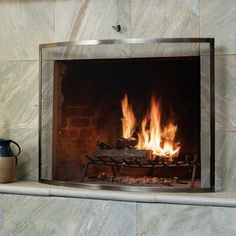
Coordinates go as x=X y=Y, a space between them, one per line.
x=132 y=115
x=127 y=121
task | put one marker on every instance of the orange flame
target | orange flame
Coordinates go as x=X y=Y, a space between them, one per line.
x=128 y=120
x=151 y=137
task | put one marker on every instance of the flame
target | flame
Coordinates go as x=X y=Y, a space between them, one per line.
x=128 y=120
x=151 y=137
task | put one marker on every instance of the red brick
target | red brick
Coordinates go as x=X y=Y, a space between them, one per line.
x=87 y=132
x=82 y=143
x=79 y=122
x=68 y=112
x=64 y=122
x=86 y=112
x=68 y=147
x=69 y=133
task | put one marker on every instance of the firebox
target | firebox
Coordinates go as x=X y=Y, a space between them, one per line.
x=131 y=114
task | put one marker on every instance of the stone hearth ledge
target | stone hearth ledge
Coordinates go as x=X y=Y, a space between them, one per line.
x=33 y=188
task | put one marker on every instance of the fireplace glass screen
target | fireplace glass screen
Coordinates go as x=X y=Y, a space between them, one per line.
x=134 y=114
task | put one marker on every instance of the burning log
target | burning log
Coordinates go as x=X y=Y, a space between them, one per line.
x=126 y=150
x=123 y=143
x=127 y=154
x=122 y=153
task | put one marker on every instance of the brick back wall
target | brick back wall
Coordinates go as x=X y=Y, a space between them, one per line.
x=79 y=126
x=77 y=132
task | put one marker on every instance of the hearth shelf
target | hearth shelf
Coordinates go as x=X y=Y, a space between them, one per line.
x=34 y=188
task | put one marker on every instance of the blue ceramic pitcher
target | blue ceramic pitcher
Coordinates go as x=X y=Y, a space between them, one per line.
x=5 y=148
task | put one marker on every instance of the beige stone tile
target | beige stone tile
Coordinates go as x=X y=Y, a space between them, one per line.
x=225 y=161
x=225 y=114
x=19 y=94
x=91 y=19
x=225 y=90
x=218 y=20
x=23 y=26
x=165 y=19
x=224 y=221
x=173 y=220
x=60 y=216
x=225 y=87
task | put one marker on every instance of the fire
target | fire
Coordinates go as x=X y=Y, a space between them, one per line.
x=128 y=120
x=161 y=141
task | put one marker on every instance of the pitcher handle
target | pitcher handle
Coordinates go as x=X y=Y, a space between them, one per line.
x=19 y=149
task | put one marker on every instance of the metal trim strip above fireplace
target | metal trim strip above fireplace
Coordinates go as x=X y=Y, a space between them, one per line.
x=209 y=41
x=127 y=41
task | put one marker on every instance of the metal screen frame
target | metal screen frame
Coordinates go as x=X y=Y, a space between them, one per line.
x=209 y=41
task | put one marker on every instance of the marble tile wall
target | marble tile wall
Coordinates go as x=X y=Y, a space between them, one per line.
x=223 y=221
x=19 y=94
x=173 y=220
x=91 y=19
x=217 y=19
x=64 y=216
x=31 y=215
x=25 y=24
x=225 y=122
x=1 y=215
x=164 y=19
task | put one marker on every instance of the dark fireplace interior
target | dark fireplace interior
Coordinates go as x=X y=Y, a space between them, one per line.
x=162 y=95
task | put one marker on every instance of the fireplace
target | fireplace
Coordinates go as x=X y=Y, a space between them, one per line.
x=116 y=120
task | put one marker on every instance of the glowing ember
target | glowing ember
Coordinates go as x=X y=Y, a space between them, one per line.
x=151 y=137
